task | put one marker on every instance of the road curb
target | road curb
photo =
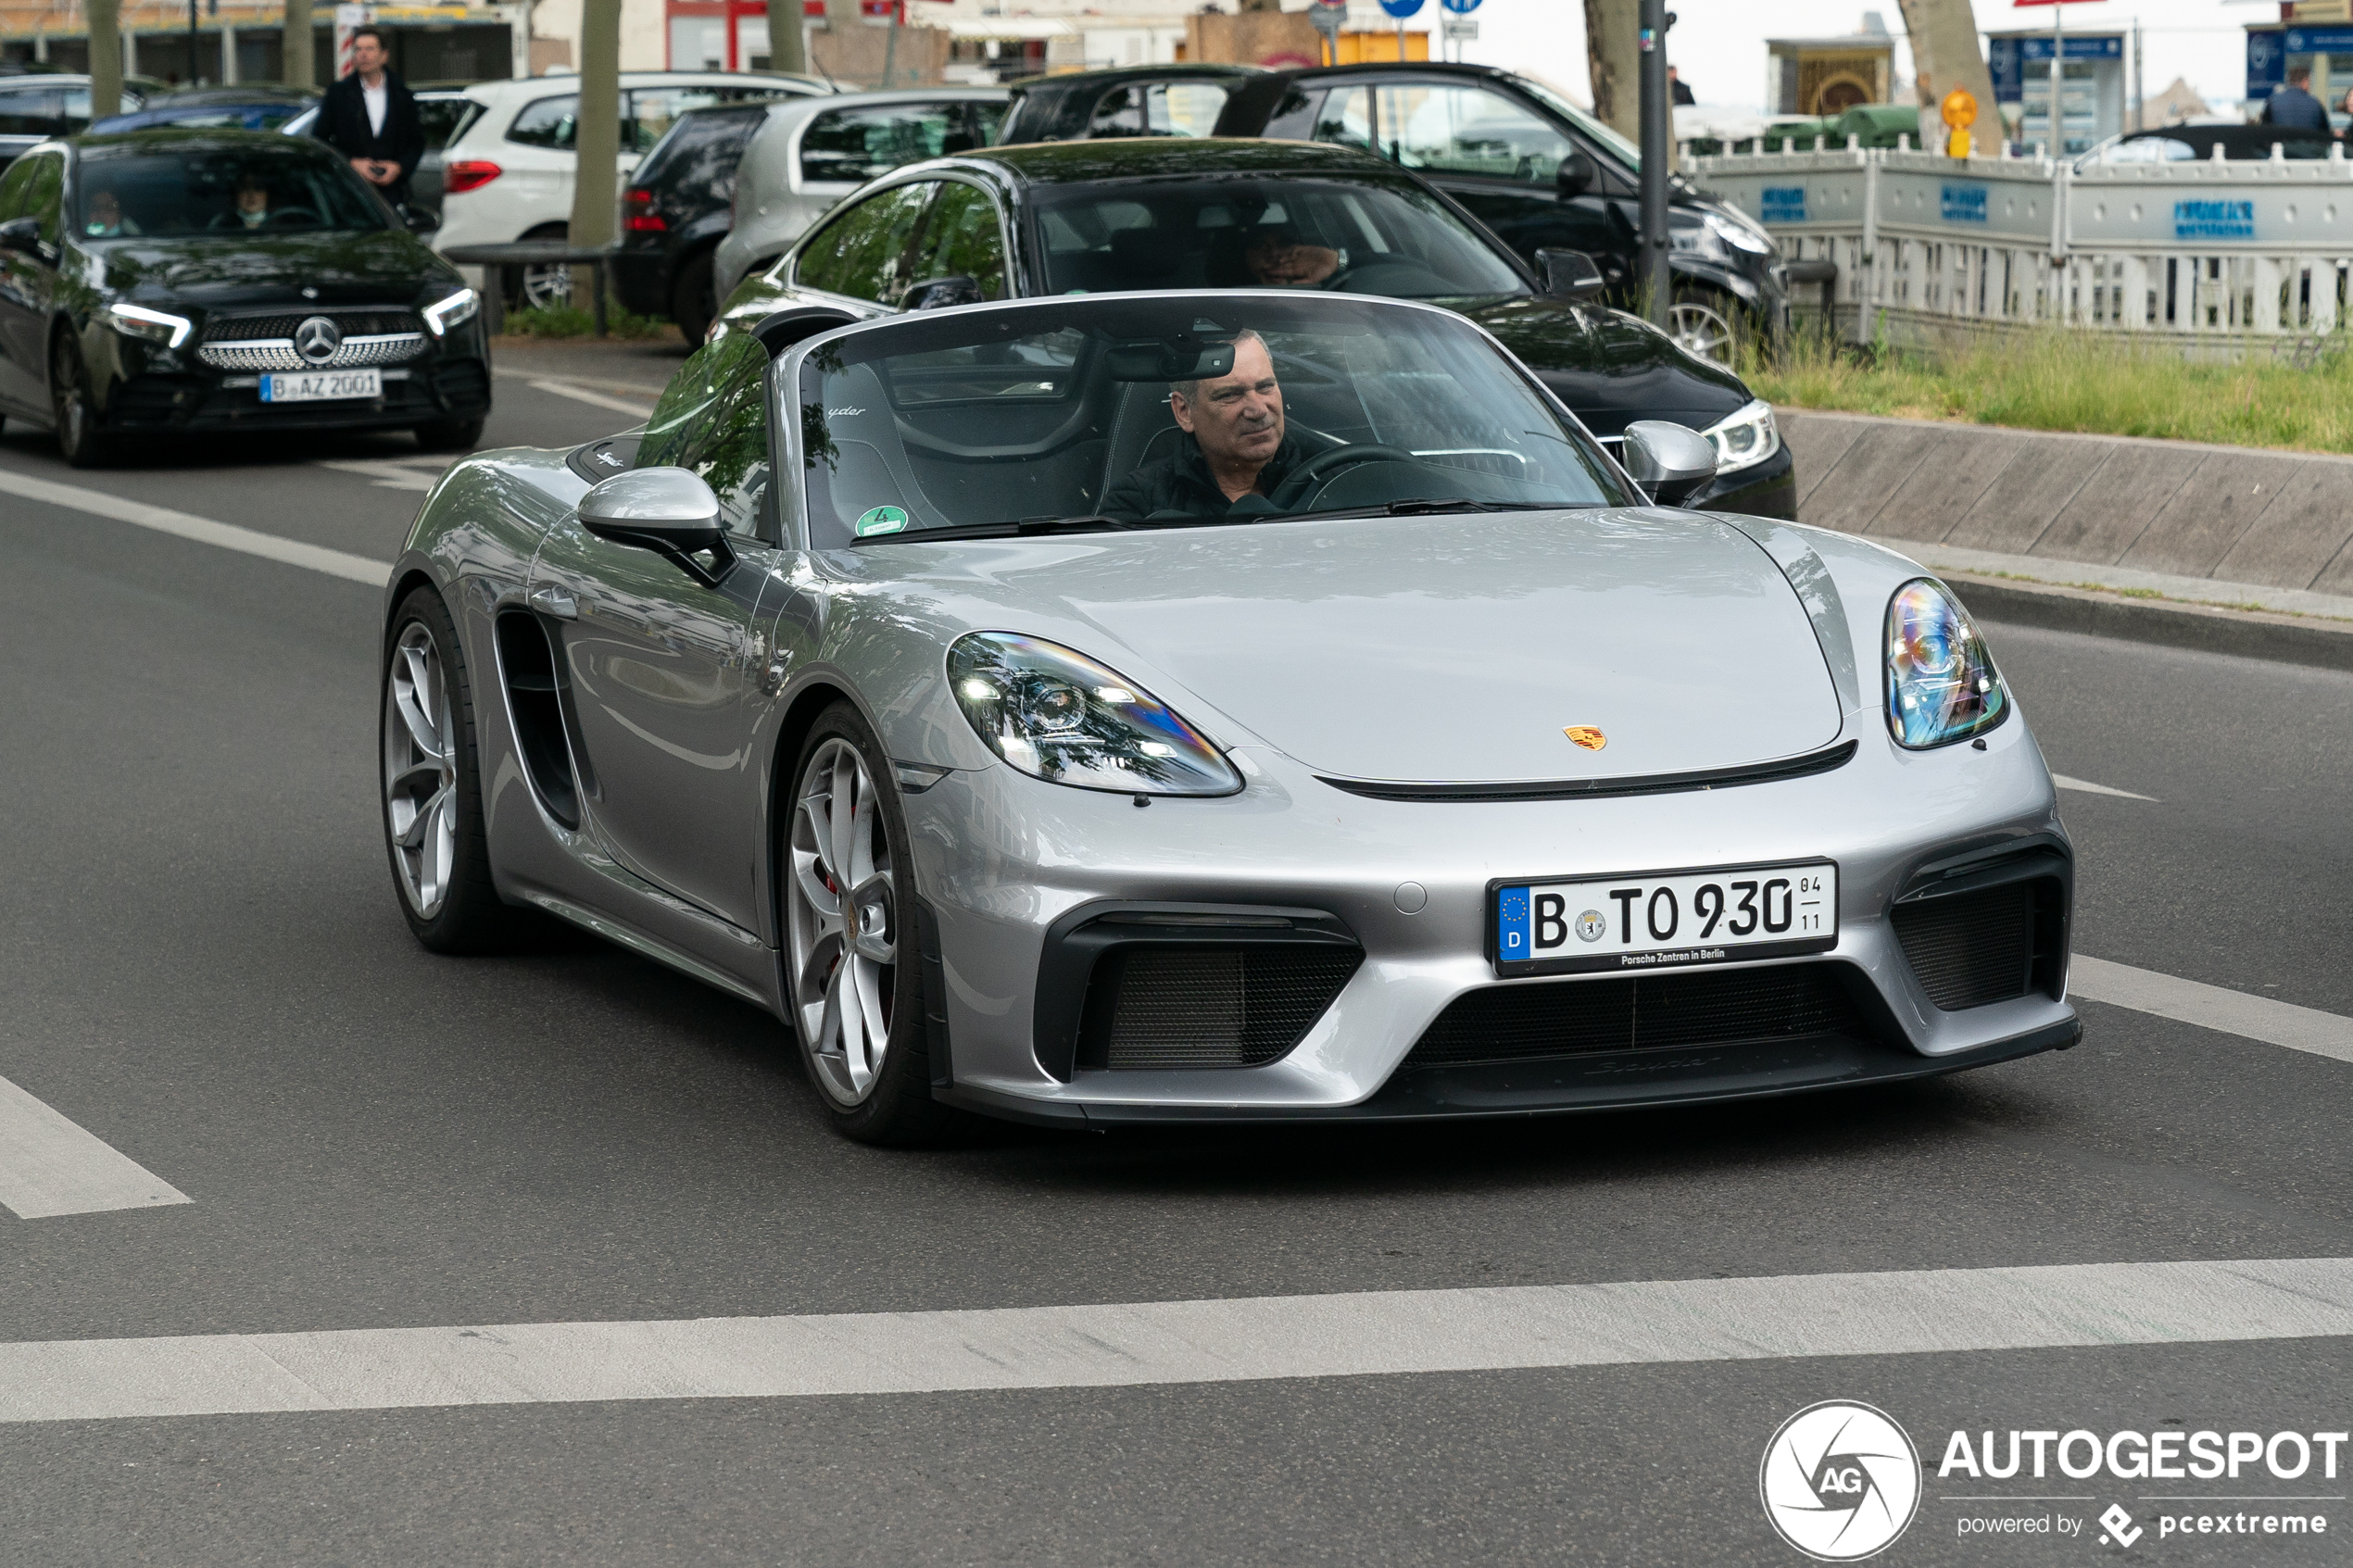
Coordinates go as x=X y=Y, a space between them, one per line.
x=2210 y=629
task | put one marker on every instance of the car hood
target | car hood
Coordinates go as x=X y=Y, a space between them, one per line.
x=211 y=272
x=1608 y=367
x=1432 y=649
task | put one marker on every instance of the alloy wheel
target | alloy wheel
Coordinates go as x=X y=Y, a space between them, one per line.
x=1701 y=331
x=65 y=390
x=544 y=287
x=420 y=771
x=844 y=922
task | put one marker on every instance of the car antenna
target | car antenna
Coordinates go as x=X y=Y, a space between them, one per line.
x=823 y=72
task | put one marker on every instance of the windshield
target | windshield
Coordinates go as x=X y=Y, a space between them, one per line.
x=1158 y=411
x=212 y=191
x=1360 y=236
x=1585 y=125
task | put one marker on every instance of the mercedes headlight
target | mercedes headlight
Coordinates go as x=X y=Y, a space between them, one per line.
x=1942 y=685
x=1712 y=234
x=1744 y=438
x=453 y=311
x=1058 y=715
x=155 y=326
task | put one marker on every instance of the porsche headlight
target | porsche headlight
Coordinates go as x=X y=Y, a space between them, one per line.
x=155 y=326
x=1942 y=685
x=1744 y=439
x=453 y=311
x=1060 y=716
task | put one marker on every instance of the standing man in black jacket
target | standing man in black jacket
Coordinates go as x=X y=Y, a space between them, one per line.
x=371 y=118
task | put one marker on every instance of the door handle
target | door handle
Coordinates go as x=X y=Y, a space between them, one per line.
x=555 y=603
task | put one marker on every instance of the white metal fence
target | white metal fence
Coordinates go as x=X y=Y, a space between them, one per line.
x=2217 y=254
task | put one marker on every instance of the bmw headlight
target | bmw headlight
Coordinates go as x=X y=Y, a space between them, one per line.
x=1744 y=438
x=155 y=326
x=1942 y=685
x=1058 y=715
x=453 y=311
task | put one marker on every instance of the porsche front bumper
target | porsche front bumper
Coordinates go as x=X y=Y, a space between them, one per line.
x=1012 y=870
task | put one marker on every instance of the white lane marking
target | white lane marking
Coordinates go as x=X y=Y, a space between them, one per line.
x=203 y=530
x=393 y=474
x=1163 y=1342
x=2065 y=783
x=595 y=399
x=49 y=1166
x=2213 y=1007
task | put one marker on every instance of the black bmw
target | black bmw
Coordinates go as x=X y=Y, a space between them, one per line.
x=171 y=281
x=1110 y=217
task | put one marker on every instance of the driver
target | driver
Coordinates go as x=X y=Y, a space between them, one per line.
x=104 y=219
x=253 y=204
x=1278 y=257
x=1235 y=446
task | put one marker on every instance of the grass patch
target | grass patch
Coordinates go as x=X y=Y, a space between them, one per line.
x=2072 y=381
x=564 y=320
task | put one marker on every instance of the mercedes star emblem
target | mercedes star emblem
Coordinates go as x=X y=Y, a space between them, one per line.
x=317 y=340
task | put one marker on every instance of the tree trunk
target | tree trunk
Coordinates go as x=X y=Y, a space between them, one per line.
x=1613 y=52
x=595 y=195
x=784 y=38
x=1945 y=56
x=105 y=58
x=297 y=63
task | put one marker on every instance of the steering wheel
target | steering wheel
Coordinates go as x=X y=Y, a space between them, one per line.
x=1295 y=485
x=291 y=214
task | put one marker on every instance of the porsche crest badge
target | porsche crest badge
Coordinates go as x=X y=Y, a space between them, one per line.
x=1587 y=736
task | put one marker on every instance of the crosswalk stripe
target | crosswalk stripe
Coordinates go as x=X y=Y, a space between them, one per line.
x=2213 y=1007
x=49 y=1166
x=1373 y=1333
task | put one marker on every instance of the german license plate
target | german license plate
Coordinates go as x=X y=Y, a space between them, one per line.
x=1665 y=920
x=321 y=386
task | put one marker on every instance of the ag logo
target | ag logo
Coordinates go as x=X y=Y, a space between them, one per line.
x=1840 y=1481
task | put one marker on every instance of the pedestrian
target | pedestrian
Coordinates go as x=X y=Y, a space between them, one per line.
x=1676 y=92
x=2293 y=108
x=371 y=118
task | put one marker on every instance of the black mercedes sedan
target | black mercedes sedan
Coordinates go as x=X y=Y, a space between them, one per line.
x=177 y=281
x=1110 y=217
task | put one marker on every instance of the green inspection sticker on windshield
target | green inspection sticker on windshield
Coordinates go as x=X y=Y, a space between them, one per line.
x=882 y=520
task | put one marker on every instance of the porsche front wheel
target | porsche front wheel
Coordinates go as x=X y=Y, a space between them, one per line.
x=433 y=815
x=856 y=994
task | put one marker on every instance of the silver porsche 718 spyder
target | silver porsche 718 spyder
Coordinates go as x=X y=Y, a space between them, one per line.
x=1242 y=705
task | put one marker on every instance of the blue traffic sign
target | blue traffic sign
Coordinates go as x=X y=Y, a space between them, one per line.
x=1460 y=7
x=1400 y=9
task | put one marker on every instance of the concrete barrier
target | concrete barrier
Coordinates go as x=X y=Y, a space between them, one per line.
x=2230 y=514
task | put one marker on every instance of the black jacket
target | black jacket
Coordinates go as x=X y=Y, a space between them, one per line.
x=1183 y=484
x=342 y=125
x=2294 y=109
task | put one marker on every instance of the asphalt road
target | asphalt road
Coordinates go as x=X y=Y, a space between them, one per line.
x=203 y=967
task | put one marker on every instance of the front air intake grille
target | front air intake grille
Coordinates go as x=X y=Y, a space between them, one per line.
x=1531 y=1021
x=1989 y=945
x=279 y=354
x=463 y=383
x=350 y=323
x=1185 y=1005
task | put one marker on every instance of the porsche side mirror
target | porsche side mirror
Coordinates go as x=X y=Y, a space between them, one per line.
x=20 y=234
x=1569 y=274
x=1669 y=462
x=1577 y=175
x=668 y=512
x=942 y=294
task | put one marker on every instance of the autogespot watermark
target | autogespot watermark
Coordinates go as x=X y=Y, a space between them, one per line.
x=1841 y=1481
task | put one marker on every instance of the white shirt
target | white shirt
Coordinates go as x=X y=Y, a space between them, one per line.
x=375 y=97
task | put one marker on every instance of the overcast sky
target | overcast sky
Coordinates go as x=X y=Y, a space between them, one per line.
x=1719 y=45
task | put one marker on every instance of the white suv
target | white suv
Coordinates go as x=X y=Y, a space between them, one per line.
x=508 y=175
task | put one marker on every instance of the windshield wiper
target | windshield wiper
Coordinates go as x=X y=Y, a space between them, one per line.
x=1018 y=529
